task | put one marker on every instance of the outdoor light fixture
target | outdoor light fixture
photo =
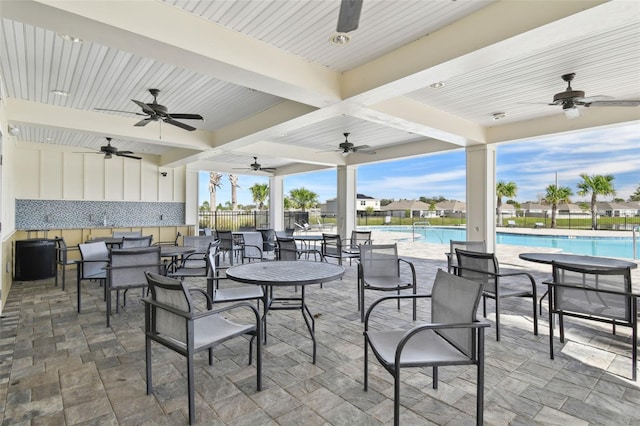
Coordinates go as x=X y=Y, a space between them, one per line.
x=499 y=115
x=67 y=37
x=60 y=92
x=340 y=39
x=13 y=130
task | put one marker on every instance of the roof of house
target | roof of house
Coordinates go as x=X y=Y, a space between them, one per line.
x=451 y=205
x=412 y=205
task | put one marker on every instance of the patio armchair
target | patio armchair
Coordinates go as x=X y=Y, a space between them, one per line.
x=169 y=243
x=452 y=260
x=193 y=264
x=122 y=234
x=288 y=249
x=594 y=293
x=380 y=269
x=126 y=270
x=172 y=320
x=94 y=258
x=136 y=242
x=453 y=337
x=335 y=247
x=62 y=258
x=230 y=246
x=485 y=269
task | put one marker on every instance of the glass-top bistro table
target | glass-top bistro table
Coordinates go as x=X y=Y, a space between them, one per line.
x=282 y=274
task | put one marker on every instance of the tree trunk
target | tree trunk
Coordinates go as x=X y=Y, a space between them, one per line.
x=594 y=215
x=554 y=208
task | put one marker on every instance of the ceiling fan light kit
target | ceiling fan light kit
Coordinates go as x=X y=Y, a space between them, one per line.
x=157 y=112
x=571 y=99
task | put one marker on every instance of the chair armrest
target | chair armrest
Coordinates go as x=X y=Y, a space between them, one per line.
x=411 y=266
x=386 y=298
x=197 y=290
x=477 y=324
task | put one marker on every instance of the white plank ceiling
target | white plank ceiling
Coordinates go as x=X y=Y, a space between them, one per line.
x=268 y=82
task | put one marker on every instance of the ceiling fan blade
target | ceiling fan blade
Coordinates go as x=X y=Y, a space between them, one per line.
x=144 y=107
x=117 y=110
x=186 y=116
x=124 y=154
x=359 y=147
x=614 y=102
x=179 y=124
x=143 y=122
x=349 y=16
x=267 y=169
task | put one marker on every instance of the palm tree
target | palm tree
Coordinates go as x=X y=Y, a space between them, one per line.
x=504 y=189
x=214 y=184
x=233 y=179
x=595 y=185
x=303 y=198
x=260 y=193
x=636 y=195
x=556 y=194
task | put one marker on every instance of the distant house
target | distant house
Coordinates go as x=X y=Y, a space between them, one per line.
x=508 y=210
x=535 y=209
x=451 y=208
x=362 y=203
x=416 y=208
x=611 y=209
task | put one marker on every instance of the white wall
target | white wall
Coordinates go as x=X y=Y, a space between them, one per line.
x=53 y=172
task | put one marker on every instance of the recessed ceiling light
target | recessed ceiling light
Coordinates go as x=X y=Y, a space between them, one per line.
x=499 y=115
x=70 y=38
x=340 y=39
x=437 y=85
x=60 y=92
x=13 y=130
x=48 y=139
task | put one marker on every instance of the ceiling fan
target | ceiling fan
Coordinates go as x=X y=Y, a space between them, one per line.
x=349 y=16
x=347 y=147
x=257 y=167
x=109 y=151
x=156 y=112
x=571 y=99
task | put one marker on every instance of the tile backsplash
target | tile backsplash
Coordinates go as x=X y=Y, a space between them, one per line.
x=43 y=214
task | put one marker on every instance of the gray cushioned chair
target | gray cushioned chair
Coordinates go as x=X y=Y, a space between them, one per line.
x=91 y=266
x=172 y=320
x=380 y=269
x=126 y=270
x=452 y=261
x=594 y=293
x=136 y=242
x=453 y=337
x=484 y=268
x=62 y=258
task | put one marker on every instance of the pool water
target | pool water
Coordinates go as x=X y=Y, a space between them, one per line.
x=621 y=247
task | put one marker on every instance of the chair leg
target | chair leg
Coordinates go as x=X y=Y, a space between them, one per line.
x=366 y=365
x=396 y=396
x=497 y=318
x=191 y=388
x=480 y=380
x=147 y=350
x=435 y=377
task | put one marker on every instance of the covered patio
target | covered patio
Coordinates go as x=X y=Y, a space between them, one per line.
x=63 y=368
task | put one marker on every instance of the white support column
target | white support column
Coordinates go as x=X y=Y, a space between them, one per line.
x=191 y=199
x=276 y=202
x=346 y=201
x=481 y=194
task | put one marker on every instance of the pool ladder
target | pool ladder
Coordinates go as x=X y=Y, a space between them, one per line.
x=413 y=228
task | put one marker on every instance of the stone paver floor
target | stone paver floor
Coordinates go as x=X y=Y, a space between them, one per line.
x=59 y=367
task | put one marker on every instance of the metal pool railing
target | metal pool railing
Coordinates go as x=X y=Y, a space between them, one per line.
x=413 y=228
x=633 y=241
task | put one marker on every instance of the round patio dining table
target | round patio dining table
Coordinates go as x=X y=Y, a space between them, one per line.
x=282 y=274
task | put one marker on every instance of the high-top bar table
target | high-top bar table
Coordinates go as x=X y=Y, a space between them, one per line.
x=282 y=274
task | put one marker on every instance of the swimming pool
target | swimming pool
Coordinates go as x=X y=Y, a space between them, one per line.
x=592 y=246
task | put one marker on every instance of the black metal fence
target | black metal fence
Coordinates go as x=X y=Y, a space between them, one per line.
x=234 y=220
x=225 y=219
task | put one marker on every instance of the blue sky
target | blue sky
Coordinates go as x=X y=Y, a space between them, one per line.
x=532 y=165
